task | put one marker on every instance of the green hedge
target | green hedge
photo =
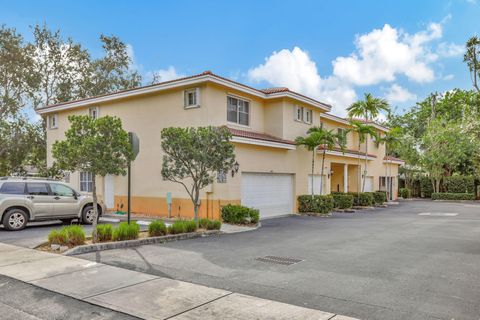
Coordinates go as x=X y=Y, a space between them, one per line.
x=157 y=228
x=209 y=224
x=404 y=193
x=73 y=235
x=104 y=232
x=318 y=204
x=426 y=187
x=342 y=200
x=453 y=196
x=126 y=231
x=459 y=184
x=237 y=214
x=379 y=197
x=362 y=199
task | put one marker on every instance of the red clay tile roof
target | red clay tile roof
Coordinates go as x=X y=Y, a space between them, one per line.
x=393 y=159
x=208 y=72
x=258 y=136
x=275 y=90
x=350 y=151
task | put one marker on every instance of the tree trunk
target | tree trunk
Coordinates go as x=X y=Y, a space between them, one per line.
x=359 y=175
x=387 y=182
x=196 y=205
x=313 y=168
x=95 y=209
x=321 y=175
x=365 y=171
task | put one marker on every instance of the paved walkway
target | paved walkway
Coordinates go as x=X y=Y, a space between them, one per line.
x=139 y=294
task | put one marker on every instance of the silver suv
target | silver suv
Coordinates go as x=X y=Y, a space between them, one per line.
x=26 y=199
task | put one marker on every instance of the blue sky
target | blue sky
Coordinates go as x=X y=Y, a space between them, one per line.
x=331 y=50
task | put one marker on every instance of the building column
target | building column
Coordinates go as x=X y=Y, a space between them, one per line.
x=345 y=178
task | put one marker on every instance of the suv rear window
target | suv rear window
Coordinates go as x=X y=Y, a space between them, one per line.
x=37 y=189
x=13 y=188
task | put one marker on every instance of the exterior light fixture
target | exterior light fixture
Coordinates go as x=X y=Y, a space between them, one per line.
x=236 y=166
x=330 y=174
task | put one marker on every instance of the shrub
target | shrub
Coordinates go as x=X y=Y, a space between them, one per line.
x=342 y=200
x=209 y=224
x=57 y=237
x=453 y=196
x=404 y=193
x=459 y=184
x=238 y=214
x=75 y=234
x=379 y=197
x=104 y=232
x=190 y=225
x=362 y=199
x=426 y=187
x=215 y=225
x=126 y=231
x=318 y=204
x=157 y=228
x=177 y=227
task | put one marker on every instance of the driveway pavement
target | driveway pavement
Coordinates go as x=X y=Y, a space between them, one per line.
x=417 y=260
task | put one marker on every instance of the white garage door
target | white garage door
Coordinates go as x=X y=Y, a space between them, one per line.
x=272 y=194
x=368 y=184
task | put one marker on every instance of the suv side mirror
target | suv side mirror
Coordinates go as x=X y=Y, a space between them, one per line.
x=75 y=196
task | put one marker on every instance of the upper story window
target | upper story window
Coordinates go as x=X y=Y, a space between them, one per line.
x=93 y=112
x=303 y=114
x=343 y=132
x=238 y=111
x=191 y=98
x=53 y=121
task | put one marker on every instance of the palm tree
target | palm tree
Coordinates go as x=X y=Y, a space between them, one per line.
x=311 y=143
x=390 y=139
x=369 y=108
x=329 y=140
x=472 y=58
x=363 y=131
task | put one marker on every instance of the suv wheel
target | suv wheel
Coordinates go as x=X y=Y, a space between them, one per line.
x=15 y=219
x=88 y=214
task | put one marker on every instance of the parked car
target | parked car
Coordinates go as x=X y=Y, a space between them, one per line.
x=28 y=199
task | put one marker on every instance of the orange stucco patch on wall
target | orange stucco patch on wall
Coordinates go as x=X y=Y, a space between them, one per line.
x=181 y=207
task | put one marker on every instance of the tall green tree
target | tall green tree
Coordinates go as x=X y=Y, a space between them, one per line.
x=194 y=156
x=311 y=142
x=390 y=139
x=363 y=131
x=18 y=79
x=369 y=108
x=99 y=146
x=110 y=73
x=472 y=59
x=327 y=140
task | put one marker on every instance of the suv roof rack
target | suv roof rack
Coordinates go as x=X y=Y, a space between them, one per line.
x=27 y=178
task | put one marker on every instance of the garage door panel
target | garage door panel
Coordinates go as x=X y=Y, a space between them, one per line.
x=272 y=194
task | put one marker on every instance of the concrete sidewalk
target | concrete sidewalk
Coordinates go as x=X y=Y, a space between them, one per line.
x=139 y=294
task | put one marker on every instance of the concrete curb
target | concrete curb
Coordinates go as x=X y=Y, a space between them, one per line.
x=259 y=225
x=138 y=242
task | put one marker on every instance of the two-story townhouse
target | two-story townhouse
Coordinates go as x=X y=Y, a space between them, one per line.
x=272 y=171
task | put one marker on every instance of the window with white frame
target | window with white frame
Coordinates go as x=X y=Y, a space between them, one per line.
x=307 y=115
x=191 y=98
x=86 y=181
x=298 y=113
x=53 y=121
x=238 y=111
x=93 y=112
x=343 y=133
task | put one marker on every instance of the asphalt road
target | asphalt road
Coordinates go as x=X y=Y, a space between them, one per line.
x=22 y=301
x=417 y=260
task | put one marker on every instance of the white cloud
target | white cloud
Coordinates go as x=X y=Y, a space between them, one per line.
x=397 y=93
x=297 y=71
x=384 y=53
x=448 y=77
x=162 y=75
x=449 y=50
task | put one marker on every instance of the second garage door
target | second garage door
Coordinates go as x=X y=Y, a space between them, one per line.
x=272 y=194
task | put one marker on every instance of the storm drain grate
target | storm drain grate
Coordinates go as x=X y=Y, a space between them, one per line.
x=279 y=260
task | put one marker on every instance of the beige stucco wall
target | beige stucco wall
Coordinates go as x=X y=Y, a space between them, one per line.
x=147 y=115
